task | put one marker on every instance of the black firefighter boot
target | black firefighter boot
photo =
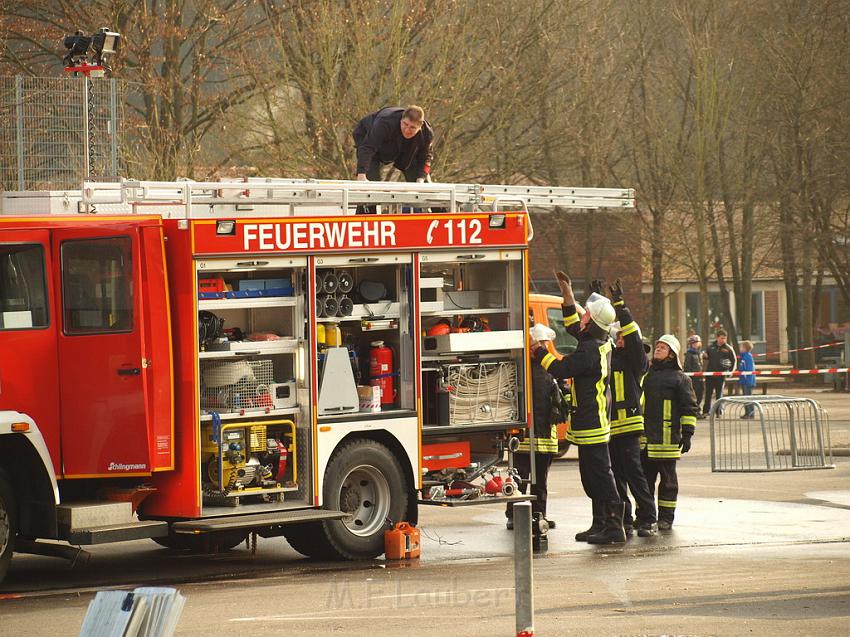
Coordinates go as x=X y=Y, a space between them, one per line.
x=612 y=531
x=596 y=525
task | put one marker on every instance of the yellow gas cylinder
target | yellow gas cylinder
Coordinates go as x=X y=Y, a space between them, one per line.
x=333 y=335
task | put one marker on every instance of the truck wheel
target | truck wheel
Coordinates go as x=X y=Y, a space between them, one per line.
x=365 y=480
x=8 y=524
x=310 y=540
x=202 y=543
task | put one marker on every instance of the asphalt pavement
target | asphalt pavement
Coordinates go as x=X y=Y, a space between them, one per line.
x=750 y=554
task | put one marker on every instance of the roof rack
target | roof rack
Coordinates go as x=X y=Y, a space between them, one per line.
x=250 y=197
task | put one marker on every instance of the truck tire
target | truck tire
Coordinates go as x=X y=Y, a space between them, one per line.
x=364 y=479
x=310 y=540
x=202 y=543
x=8 y=524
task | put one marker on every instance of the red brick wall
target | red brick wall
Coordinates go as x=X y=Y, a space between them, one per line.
x=771 y=324
x=601 y=244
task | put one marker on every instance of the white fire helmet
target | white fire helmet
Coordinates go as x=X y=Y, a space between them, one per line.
x=602 y=313
x=673 y=343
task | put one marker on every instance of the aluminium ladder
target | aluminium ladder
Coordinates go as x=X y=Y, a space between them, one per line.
x=250 y=197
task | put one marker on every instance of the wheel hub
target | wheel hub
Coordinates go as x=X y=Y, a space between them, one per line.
x=365 y=496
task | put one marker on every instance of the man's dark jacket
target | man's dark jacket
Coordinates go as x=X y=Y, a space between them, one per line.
x=378 y=137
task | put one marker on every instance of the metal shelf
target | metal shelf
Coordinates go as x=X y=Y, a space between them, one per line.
x=253 y=413
x=485 y=310
x=289 y=346
x=249 y=303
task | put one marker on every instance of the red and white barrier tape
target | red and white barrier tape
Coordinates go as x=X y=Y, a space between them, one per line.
x=801 y=349
x=775 y=372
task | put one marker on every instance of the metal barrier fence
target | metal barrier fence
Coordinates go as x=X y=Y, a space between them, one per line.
x=43 y=125
x=769 y=433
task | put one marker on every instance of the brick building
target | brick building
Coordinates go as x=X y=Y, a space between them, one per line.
x=595 y=244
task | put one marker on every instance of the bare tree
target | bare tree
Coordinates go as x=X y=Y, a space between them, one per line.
x=181 y=54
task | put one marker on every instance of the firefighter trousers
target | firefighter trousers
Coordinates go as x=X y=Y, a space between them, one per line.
x=542 y=463
x=628 y=476
x=594 y=465
x=668 y=487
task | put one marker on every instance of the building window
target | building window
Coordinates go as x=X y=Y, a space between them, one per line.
x=23 y=290
x=97 y=285
x=757 y=332
x=564 y=343
x=715 y=314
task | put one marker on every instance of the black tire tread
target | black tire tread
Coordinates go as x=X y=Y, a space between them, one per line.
x=7 y=494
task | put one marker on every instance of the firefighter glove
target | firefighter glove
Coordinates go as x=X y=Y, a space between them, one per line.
x=596 y=286
x=685 y=445
x=616 y=291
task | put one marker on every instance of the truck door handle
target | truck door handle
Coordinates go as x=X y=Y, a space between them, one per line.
x=470 y=257
x=135 y=371
x=363 y=260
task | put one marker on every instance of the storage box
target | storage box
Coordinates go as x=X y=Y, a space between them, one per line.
x=475 y=342
x=263 y=284
x=446 y=455
x=369 y=397
x=467 y=300
x=211 y=284
x=431 y=290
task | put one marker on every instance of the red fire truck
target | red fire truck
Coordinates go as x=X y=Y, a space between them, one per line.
x=193 y=362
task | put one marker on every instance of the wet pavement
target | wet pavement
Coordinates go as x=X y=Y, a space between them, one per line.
x=750 y=553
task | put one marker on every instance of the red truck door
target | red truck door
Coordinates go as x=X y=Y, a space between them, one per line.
x=100 y=342
x=28 y=360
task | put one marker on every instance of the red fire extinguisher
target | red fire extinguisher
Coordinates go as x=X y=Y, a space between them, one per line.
x=381 y=371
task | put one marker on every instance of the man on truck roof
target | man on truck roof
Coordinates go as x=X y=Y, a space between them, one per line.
x=394 y=135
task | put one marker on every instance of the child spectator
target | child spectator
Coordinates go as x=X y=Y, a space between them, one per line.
x=746 y=363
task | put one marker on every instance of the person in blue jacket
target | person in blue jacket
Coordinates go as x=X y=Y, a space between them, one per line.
x=746 y=363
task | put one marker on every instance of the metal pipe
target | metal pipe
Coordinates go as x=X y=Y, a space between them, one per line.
x=19 y=123
x=523 y=574
x=86 y=129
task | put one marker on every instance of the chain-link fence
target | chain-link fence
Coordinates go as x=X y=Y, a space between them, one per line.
x=49 y=126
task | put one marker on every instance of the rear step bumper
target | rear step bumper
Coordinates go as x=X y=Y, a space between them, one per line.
x=255 y=521
x=117 y=532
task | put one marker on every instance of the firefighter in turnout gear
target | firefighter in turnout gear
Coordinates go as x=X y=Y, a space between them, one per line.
x=670 y=411
x=588 y=368
x=628 y=366
x=548 y=409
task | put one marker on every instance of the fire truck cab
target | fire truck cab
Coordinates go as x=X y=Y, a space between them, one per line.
x=193 y=362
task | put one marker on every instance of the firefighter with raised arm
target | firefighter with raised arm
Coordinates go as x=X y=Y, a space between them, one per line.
x=628 y=366
x=588 y=367
x=670 y=416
